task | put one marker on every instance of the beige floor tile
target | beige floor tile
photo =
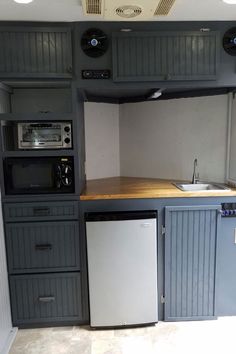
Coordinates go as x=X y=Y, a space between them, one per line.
x=163 y=338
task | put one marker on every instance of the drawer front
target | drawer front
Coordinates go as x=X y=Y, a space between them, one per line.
x=45 y=298
x=40 y=247
x=14 y=212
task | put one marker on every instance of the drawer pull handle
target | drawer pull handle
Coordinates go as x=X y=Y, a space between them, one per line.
x=46 y=298
x=41 y=211
x=47 y=247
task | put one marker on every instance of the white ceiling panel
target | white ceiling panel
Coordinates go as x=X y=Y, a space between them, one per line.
x=71 y=10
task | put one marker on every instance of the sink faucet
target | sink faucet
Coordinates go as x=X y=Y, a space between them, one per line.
x=195 y=175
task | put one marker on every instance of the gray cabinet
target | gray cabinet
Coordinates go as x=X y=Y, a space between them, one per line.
x=18 y=212
x=157 y=56
x=45 y=298
x=226 y=269
x=42 y=246
x=43 y=249
x=190 y=262
x=35 y=52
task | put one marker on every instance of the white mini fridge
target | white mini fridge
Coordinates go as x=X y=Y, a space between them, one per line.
x=122 y=268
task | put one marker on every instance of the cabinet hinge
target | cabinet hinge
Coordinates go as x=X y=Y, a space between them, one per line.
x=163 y=230
x=163 y=299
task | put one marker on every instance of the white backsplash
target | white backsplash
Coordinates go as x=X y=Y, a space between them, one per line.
x=157 y=139
x=161 y=139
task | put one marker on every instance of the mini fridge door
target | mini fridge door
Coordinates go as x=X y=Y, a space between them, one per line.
x=122 y=270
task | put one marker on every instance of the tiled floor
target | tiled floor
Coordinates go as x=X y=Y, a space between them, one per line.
x=164 y=338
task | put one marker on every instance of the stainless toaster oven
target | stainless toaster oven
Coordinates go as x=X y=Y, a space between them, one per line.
x=44 y=135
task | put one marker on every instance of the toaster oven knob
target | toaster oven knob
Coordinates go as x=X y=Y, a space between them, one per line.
x=67 y=129
x=67 y=140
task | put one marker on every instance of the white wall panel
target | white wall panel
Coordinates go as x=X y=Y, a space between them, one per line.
x=160 y=139
x=102 y=140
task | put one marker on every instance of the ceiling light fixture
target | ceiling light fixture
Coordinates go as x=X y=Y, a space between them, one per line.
x=230 y=2
x=23 y=1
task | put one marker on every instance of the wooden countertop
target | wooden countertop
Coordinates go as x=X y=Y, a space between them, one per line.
x=141 y=188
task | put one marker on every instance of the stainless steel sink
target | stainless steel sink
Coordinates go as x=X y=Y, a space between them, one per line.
x=201 y=187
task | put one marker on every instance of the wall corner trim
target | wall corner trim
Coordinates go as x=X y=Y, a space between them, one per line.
x=9 y=341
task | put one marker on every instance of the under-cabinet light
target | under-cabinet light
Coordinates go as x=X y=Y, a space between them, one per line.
x=230 y=2
x=155 y=94
x=126 y=30
x=23 y=1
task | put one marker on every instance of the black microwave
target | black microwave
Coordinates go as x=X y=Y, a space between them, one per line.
x=39 y=175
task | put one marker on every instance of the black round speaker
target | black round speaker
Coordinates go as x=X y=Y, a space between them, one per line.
x=94 y=42
x=229 y=41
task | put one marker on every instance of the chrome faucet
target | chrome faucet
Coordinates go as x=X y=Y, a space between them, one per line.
x=195 y=178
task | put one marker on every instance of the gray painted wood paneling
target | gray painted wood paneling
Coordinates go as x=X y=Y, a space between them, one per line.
x=5 y=311
x=4 y=100
x=157 y=56
x=42 y=247
x=35 y=100
x=46 y=298
x=190 y=262
x=35 y=52
x=66 y=210
x=226 y=268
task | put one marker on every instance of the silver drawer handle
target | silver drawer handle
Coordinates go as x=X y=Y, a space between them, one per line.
x=46 y=298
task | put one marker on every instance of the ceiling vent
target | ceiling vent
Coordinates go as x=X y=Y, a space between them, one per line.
x=129 y=11
x=164 y=7
x=92 y=7
x=117 y=10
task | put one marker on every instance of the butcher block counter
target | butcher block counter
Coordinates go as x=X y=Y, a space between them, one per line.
x=141 y=188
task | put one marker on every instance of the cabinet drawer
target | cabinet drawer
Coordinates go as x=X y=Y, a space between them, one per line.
x=45 y=298
x=40 y=211
x=45 y=246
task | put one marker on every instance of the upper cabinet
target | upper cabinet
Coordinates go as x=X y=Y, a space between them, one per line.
x=32 y=52
x=158 y=56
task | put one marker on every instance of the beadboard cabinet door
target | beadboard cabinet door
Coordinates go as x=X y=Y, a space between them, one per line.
x=190 y=262
x=226 y=268
x=165 y=56
x=32 y=52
